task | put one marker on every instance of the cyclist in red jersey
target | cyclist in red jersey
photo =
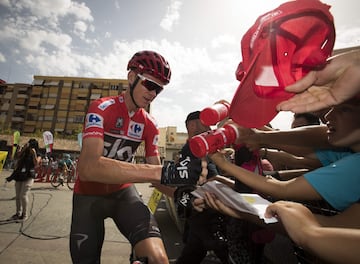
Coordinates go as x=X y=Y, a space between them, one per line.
x=114 y=128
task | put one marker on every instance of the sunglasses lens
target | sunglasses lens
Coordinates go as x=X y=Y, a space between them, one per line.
x=151 y=86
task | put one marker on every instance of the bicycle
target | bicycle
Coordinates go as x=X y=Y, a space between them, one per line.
x=64 y=175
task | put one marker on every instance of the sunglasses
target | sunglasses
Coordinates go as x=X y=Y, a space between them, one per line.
x=150 y=84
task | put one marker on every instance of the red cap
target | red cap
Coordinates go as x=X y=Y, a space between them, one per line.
x=280 y=48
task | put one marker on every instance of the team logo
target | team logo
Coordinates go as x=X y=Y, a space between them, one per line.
x=135 y=130
x=93 y=120
x=106 y=104
x=156 y=140
x=119 y=122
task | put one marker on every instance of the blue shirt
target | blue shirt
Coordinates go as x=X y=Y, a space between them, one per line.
x=338 y=181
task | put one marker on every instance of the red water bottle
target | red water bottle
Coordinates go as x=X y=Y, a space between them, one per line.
x=213 y=114
x=211 y=141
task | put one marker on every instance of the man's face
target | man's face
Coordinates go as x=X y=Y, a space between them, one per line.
x=343 y=123
x=144 y=96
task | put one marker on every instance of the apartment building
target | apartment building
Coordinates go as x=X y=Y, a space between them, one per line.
x=57 y=104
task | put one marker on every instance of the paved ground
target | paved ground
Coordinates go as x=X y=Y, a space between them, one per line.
x=44 y=237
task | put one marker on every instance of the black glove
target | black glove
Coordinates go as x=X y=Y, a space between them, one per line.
x=182 y=198
x=186 y=172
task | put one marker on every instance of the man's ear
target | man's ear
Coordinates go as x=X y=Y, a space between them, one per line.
x=131 y=76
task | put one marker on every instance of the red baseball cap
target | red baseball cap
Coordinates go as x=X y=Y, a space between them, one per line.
x=280 y=48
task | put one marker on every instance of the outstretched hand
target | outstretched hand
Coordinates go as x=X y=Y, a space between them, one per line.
x=213 y=202
x=296 y=218
x=334 y=84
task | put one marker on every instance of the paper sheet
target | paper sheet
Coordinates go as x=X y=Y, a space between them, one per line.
x=245 y=202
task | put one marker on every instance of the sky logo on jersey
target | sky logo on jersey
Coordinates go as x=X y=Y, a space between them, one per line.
x=135 y=130
x=93 y=120
x=106 y=104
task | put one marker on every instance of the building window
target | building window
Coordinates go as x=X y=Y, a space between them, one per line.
x=79 y=119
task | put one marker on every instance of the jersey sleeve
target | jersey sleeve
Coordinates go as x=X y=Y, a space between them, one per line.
x=94 y=121
x=338 y=183
x=151 y=138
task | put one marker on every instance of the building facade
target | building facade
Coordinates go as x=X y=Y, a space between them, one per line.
x=57 y=104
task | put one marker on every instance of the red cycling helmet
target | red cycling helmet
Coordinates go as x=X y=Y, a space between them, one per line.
x=151 y=63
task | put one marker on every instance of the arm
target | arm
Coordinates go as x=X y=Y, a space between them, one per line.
x=36 y=159
x=282 y=159
x=298 y=141
x=93 y=166
x=336 y=245
x=348 y=218
x=286 y=174
x=297 y=188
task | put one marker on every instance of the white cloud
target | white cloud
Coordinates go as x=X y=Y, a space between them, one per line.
x=5 y=3
x=54 y=8
x=347 y=37
x=80 y=29
x=37 y=41
x=172 y=15
x=117 y=4
x=2 y=57
x=222 y=40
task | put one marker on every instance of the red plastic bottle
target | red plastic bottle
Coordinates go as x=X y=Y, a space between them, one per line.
x=210 y=141
x=213 y=114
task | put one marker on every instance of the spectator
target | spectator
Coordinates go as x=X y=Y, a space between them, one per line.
x=24 y=174
x=204 y=231
x=343 y=124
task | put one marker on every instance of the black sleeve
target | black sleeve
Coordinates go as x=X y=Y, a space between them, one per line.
x=212 y=169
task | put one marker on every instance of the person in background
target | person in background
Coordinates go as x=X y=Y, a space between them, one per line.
x=203 y=231
x=24 y=174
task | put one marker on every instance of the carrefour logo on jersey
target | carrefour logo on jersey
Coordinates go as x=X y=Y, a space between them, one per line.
x=93 y=120
x=135 y=130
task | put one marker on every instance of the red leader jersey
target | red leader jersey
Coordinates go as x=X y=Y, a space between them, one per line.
x=108 y=118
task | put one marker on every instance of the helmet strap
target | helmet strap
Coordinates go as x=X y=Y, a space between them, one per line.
x=132 y=88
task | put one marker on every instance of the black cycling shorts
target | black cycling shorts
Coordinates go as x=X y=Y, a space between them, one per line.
x=131 y=216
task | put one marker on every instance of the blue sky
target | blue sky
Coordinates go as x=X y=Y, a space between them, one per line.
x=200 y=39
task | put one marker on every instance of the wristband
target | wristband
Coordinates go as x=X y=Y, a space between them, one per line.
x=274 y=174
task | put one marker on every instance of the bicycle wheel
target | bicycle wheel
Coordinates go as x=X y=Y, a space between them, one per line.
x=57 y=180
x=70 y=182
